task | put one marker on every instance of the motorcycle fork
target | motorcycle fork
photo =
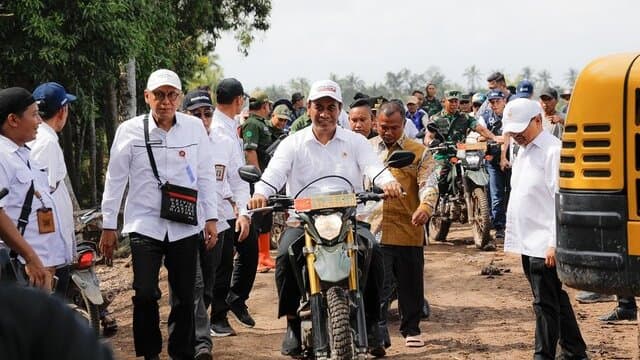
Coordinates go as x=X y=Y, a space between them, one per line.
x=467 y=197
x=356 y=296
x=318 y=308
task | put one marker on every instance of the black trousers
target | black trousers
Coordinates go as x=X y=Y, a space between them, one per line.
x=234 y=276
x=289 y=292
x=627 y=302
x=555 y=320
x=406 y=265
x=180 y=260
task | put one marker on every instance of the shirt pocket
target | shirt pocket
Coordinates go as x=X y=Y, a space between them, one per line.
x=24 y=176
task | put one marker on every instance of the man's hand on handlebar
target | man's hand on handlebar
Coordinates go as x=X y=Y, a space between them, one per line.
x=392 y=190
x=257 y=201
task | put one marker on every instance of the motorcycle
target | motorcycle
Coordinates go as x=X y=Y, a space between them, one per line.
x=331 y=308
x=466 y=198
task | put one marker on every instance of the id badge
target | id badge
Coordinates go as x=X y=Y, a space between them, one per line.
x=46 y=222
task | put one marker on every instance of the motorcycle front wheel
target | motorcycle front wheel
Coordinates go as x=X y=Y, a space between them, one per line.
x=340 y=334
x=481 y=225
x=83 y=307
x=438 y=228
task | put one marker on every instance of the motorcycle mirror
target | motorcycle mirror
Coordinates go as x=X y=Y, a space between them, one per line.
x=250 y=174
x=400 y=158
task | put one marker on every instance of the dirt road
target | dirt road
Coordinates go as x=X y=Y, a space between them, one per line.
x=473 y=316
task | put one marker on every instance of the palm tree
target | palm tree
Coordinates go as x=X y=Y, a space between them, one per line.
x=393 y=82
x=544 y=78
x=571 y=76
x=209 y=72
x=299 y=84
x=527 y=73
x=472 y=73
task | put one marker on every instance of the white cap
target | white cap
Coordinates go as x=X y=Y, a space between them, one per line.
x=518 y=114
x=324 y=88
x=163 y=77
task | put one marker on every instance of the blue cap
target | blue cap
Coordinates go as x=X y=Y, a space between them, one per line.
x=524 y=89
x=495 y=94
x=51 y=96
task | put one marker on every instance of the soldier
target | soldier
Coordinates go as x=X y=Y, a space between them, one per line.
x=257 y=138
x=465 y=103
x=431 y=104
x=279 y=118
x=453 y=125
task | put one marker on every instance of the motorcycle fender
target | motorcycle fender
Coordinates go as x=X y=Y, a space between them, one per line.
x=479 y=177
x=332 y=263
x=88 y=283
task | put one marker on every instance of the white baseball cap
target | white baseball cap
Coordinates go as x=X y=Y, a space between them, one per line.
x=163 y=77
x=518 y=114
x=325 y=88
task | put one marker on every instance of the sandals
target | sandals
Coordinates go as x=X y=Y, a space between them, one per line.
x=413 y=341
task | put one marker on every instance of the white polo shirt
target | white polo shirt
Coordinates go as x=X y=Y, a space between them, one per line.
x=46 y=151
x=222 y=124
x=222 y=146
x=16 y=176
x=183 y=157
x=531 y=217
x=301 y=158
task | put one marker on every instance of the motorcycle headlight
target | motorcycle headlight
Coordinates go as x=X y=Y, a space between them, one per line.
x=473 y=160
x=328 y=226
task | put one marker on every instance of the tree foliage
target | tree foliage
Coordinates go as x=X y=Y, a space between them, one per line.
x=85 y=44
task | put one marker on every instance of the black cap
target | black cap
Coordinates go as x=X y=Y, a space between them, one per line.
x=14 y=100
x=361 y=102
x=296 y=97
x=550 y=92
x=360 y=95
x=228 y=89
x=196 y=99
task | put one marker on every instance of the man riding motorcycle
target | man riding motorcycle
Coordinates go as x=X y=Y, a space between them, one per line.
x=453 y=125
x=316 y=151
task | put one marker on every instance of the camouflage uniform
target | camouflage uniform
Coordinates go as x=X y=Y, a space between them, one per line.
x=454 y=128
x=302 y=122
x=432 y=106
x=257 y=136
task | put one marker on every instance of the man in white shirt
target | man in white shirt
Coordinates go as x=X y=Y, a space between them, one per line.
x=53 y=104
x=19 y=120
x=179 y=147
x=234 y=278
x=531 y=229
x=321 y=149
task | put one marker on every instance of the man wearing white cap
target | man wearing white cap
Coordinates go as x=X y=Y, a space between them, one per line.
x=531 y=229
x=315 y=151
x=164 y=157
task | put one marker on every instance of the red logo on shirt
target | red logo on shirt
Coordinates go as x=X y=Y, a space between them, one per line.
x=182 y=153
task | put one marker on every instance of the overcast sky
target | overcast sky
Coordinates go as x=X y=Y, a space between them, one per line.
x=312 y=39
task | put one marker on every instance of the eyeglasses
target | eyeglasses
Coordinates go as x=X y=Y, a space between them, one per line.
x=207 y=113
x=160 y=96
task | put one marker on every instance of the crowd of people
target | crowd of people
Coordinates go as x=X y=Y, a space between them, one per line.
x=187 y=207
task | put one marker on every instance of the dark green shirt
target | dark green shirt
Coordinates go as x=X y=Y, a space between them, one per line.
x=432 y=106
x=302 y=122
x=454 y=127
x=257 y=136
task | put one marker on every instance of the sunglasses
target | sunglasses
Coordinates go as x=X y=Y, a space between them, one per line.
x=206 y=113
x=160 y=96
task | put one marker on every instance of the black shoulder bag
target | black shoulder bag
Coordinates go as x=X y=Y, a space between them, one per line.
x=179 y=203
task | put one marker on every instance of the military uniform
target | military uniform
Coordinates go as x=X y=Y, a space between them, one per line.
x=431 y=106
x=302 y=122
x=257 y=136
x=454 y=127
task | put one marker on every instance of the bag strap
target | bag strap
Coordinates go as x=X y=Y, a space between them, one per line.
x=149 y=152
x=23 y=220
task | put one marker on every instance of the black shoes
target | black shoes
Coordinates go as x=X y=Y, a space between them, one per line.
x=619 y=314
x=426 y=310
x=240 y=312
x=291 y=345
x=204 y=354
x=221 y=328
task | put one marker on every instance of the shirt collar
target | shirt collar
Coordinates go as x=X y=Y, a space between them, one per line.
x=8 y=145
x=341 y=134
x=400 y=143
x=48 y=129
x=154 y=125
x=220 y=117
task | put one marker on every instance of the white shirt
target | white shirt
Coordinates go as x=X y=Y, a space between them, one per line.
x=222 y=157
x=183 y=157
x=301 y=158
x=531 y=217
x=343 y=120
x=222 y=124
x=16 y=176
x=46 y=151
x=410 y=129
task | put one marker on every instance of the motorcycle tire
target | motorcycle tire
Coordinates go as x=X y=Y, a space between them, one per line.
x=87 y=310
x=340 y=334
x=438 y=228
x=481 y=225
